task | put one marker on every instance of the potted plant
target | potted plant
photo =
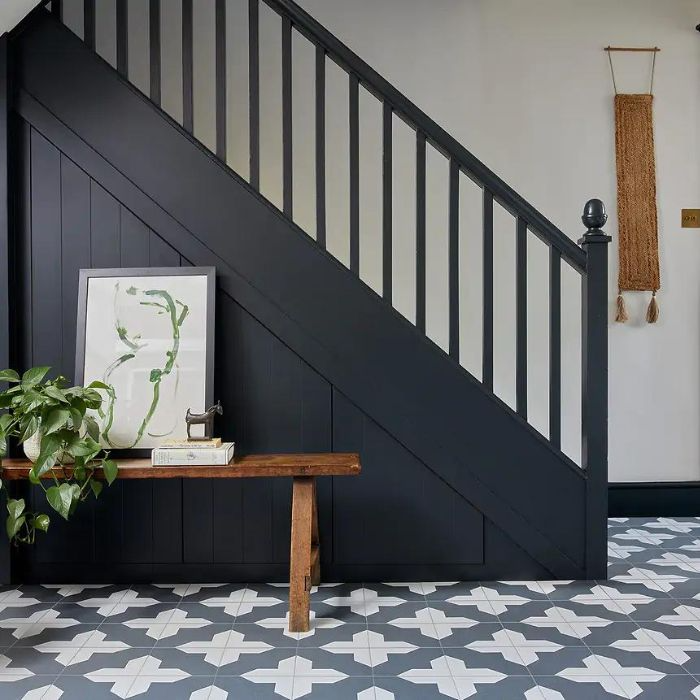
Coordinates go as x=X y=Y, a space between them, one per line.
x=55 y=419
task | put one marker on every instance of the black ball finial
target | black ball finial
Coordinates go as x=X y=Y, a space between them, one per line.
x=594 y=216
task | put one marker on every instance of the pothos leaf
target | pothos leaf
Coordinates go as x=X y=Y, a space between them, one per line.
x=16 y=518
x=98 y=385
x=34 y=375
x=50 y=444
x=14 y=525
x=15 y=507
x=8 y=375
x=96 y=487
x=76 y=418
x=55 y=420
x=55 y=393
x=92 y=398
x=30 y=428
x=41 y=522
x=86 y=447
x=60 y=499
x=111 y=469
x=93 y=429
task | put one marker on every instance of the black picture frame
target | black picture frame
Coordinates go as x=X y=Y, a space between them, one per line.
x=87 y=274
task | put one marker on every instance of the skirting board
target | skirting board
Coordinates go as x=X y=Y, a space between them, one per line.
x=654 y=498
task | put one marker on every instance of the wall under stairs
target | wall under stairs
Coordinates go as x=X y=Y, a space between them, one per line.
x=454 y=485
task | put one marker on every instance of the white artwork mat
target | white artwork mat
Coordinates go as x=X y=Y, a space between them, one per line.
x=146 y=337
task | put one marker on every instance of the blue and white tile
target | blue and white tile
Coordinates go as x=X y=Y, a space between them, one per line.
x=637 y=635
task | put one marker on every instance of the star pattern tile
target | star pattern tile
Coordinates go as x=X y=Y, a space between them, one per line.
x=636 y=635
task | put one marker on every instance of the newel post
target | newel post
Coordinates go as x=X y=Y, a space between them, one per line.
x=594 y=434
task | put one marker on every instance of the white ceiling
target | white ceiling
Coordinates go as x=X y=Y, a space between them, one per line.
x=12 y=11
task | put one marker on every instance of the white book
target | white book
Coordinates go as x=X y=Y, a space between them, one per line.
x=177 y=456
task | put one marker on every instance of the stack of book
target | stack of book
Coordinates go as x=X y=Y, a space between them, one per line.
x=193 y=452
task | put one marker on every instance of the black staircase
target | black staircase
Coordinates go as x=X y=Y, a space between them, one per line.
x=388 y=389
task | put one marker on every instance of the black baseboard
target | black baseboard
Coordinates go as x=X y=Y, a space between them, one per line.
x=654 y=498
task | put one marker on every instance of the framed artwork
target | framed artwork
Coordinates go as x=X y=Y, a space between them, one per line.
x=148 y=335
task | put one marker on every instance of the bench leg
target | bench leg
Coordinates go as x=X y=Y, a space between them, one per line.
x=315 y=544
x=300 y=574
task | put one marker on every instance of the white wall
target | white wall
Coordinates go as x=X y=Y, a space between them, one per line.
x=526 y=87
x=12 y=11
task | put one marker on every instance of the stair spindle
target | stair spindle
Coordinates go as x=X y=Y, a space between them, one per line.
x=187 y=67
x=487 y=281
x=453 y=260
x=154 y=50
x=321 y=146
x=123 y=38
x=420 y=231
x=554 y=347
x=387 y=190
x=57 y=9
x=354 y=118
x=287 y=154
x=254 y=92
x=521 y=319
x=89 y=28
x=220 y=78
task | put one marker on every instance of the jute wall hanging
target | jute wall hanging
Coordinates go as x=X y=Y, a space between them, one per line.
x=638 y=239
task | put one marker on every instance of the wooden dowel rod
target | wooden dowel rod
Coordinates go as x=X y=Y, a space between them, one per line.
x=650 y=49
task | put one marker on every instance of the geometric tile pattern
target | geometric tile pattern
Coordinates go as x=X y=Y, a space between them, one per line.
x=635 y=635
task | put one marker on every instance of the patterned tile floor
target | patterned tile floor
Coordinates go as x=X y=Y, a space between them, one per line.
x=636 y=635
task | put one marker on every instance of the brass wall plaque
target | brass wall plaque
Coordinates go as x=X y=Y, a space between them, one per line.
x=690 y=218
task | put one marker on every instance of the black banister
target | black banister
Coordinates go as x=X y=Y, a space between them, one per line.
x=435 y=134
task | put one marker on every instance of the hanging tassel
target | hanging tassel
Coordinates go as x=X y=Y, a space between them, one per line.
x=621 y=316
x=653 y=310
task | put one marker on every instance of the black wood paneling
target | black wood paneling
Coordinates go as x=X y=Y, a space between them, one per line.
x=5 y=256
x=274 y=401
x=75 y=250
x=46 y=250
x=418 y=526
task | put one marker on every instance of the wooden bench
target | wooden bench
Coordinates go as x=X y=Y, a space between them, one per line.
x=305 y=568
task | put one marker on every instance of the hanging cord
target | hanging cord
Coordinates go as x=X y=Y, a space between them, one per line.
x=654 y=51
x=612 y=71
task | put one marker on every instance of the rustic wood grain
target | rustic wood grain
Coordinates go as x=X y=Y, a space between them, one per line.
x=251 y=466
x=300 y=560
